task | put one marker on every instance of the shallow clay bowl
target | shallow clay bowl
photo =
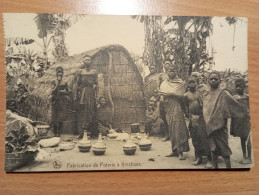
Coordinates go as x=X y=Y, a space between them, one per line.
x=84 y=149
x=129 y=151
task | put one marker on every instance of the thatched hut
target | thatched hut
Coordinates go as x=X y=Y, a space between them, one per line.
x=119 y=81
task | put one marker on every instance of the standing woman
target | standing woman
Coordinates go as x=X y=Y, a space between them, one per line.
x=59 y=101
x=86 y=94
x=172 y=93
x=161 y=77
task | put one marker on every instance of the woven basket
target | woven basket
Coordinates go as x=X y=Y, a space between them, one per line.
x=17 y=160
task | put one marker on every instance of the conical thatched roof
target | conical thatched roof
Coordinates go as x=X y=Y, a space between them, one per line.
x=71 y=65
x=38 y=103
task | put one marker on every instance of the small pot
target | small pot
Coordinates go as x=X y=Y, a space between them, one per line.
x=129 y=147
x=99 y=147
x=130 y=151
x=145 y=143
x=84 y=148
x=84 y=145
x=145 y=147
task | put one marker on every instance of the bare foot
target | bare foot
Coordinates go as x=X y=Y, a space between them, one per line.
x=220 y=159
x=172 y=155
x=243 y=161
x=165 y=139
x=248 y=161
x=197 y=161
x=209 y=165
x=181 y=157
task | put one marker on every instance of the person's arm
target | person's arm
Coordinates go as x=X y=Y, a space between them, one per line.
x=248 y=105
x=96 y=87
x=159 y=81
x=67 y=93
x=186 y=105
x=145 y=80
x=170 y=95
x=157 y=109
x=232 y=108
x=76 y=86
x=66 y=88
x=54 y=88
x=201 y=94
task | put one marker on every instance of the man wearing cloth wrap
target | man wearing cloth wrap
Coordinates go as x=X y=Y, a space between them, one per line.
x=218 y=106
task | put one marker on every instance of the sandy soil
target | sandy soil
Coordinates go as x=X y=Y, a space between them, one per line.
x=115 y=159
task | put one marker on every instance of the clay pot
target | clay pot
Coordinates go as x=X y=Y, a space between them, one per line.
x=99 y=147
x=145 y=143
x=84 y=145
x=129 y=147
x=135 y=128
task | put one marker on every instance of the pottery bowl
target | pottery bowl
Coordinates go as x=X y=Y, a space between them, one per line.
x=99 y=151
x=84 y=148
x=129 y=151
x=145 y=147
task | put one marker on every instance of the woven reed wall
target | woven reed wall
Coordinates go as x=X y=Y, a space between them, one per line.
x=125 y=79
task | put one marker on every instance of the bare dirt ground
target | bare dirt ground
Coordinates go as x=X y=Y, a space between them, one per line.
x=115 y=159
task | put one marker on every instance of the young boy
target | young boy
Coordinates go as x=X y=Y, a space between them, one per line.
x=241 y=127
x=218 y=106
x=197 y=126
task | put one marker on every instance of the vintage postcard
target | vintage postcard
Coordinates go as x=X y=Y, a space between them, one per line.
x=104 y=92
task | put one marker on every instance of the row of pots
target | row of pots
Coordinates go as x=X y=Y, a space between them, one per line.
x=99 y=147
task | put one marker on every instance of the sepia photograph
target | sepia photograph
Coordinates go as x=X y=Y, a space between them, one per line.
x=126 y=92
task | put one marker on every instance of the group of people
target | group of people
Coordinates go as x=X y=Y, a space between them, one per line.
x=207 y=105
x=204 y=101
x=89 y=116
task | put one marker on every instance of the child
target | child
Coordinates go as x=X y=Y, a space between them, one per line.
x=154 y=123
x=218 y=106
x=104 y=116
x=197 y=125
x=241 y=127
